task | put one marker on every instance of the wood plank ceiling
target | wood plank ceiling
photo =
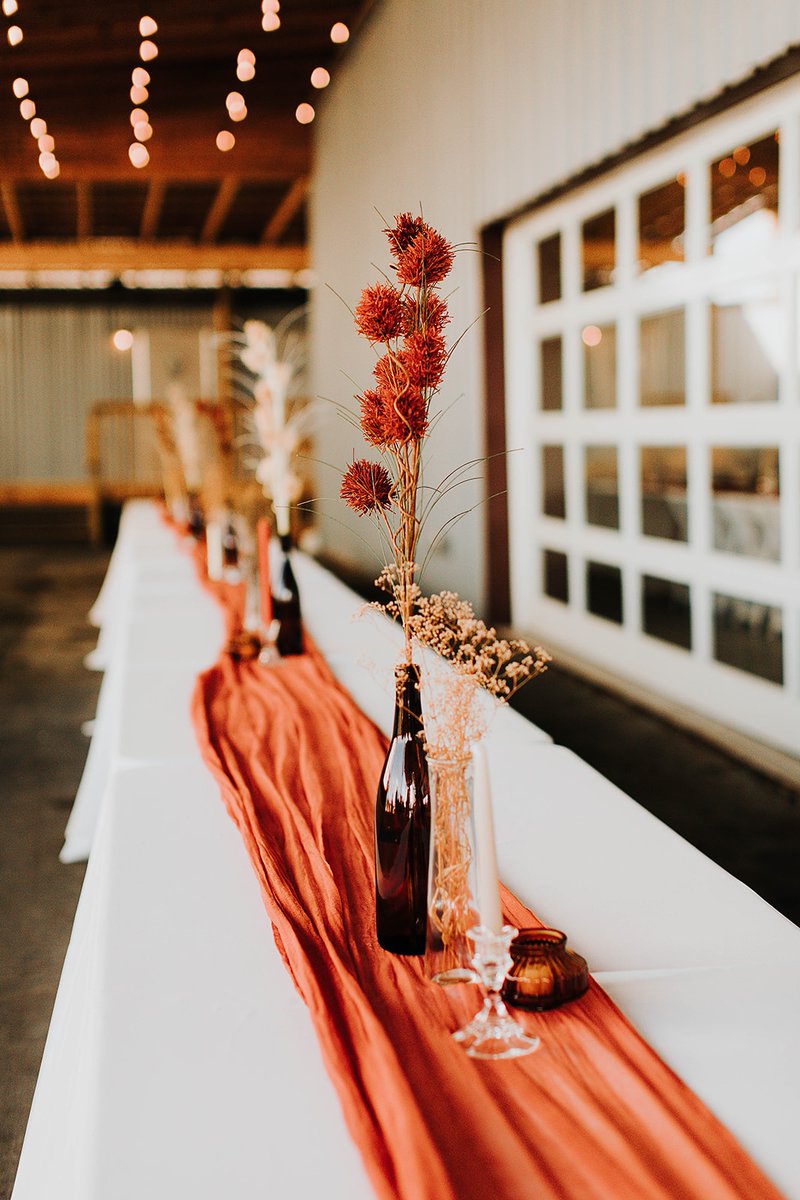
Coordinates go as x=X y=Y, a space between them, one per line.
x=192 y=206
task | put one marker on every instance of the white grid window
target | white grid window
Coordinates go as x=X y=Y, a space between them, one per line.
x=652 y=366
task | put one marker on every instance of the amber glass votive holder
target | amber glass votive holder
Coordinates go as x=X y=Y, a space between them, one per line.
x=544 y=973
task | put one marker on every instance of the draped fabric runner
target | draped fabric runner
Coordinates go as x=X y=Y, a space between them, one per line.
x=593 y=1115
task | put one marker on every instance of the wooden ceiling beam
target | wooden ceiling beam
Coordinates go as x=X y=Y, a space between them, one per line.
x=220 y=208
x=123 y=254
x=83 y=198
x=285 y=212
x=151 y=213
x=8 y=198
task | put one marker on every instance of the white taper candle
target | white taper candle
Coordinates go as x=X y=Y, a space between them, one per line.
x=486 y=855
x=214 y=560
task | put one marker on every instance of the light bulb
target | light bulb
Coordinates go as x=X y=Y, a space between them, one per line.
x=234 y=101
x=138 y=95
x=38 y=127
x=14 y=35
x=143 y=131
x=138 y=155
x=225 y=140
x=140 y=77
x=239 y=115
x=138 y=114
x=10 y=7
x=320 y=78
x=147 y=51
x=147 y=27
x=20 y=87
x=52 y=170
x=46 y=158
x=47 y=143
x=245 y=71
x=246 y=56
x=122 y=339
x=305 y=114
x=339 y=32
x=270 y=22
x=28 y=109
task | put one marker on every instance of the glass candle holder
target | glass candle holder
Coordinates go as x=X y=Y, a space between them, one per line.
x=493 y=1032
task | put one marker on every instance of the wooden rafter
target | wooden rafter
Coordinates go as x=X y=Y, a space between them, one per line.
x=8 y=197
x=83 y=197
x=120 y=254
x=221 y=206
x=286 y=210
x=151 y=213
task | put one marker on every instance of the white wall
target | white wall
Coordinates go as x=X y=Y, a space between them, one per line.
x=471 y=108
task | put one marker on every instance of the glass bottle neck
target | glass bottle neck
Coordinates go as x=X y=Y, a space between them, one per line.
x=408 y=702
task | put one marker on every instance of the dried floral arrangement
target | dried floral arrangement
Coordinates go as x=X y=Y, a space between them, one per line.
x=278 y=417
x=472 y=668
x=406 y=321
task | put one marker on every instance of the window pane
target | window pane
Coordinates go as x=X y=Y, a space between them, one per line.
x=550 y=364
x=598 y=250
x=553 y=498
x=749 y=636
x=744 y=189
x=663 y=484
x=666 y=611
x=602 y=487
x=661 y=359
x=661 y=225
x=599 y=366
x=604 y=591
x=746 y=348
x=746 y=505
x=549 y=254
x=556 y=582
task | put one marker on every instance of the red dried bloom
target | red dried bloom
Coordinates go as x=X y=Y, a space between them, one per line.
x=426 y=260
x=424 y=356
x=372 y=423
x=366 y=487
x=401 y=414
x=405 y=230
x=379 y=313
x=424 y=310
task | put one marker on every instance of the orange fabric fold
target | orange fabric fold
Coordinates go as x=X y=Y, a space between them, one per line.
x=593 y=1115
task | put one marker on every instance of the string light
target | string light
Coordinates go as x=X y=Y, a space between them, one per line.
x=234 y=102
x=46 y=159
x=245 y=71
x=270 y=22
x=140 y=77
x=38 y=127
x=47 y=142
x=52 y=170
x=122 y=339
x=147 y=27
x=270 y=6
x=28 y=109
x=137 y=115
x=20 y=87
x=339 y=33
x=320 y=78
x=239 y=114
x=143 y=131
x=225 y=140
x=138 y=95
x=305 y=114
x=148 y=51
x=757 y=176
x=138 y=155
x=9 y=7
x=14 y=35
x=246 y=56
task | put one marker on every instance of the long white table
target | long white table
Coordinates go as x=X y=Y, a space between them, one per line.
x=180 y=1061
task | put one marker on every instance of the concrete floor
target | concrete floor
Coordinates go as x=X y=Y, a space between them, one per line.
x=45 y=694
x=745 y=822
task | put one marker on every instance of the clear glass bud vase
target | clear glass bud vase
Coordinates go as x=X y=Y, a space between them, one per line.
x=451 y=872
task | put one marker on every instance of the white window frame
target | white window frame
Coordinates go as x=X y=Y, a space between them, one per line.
x=767 y=711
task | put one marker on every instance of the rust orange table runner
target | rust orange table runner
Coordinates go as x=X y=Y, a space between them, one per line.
x=593 y=1115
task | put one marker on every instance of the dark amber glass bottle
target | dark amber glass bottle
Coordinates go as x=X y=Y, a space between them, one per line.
x=286 y=602
x=403 y=826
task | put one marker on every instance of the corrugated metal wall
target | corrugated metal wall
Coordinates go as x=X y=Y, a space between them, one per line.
x=471 y=108
x=56 y=359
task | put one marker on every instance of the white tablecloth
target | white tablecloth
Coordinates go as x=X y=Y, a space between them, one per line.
x=180 y=1061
